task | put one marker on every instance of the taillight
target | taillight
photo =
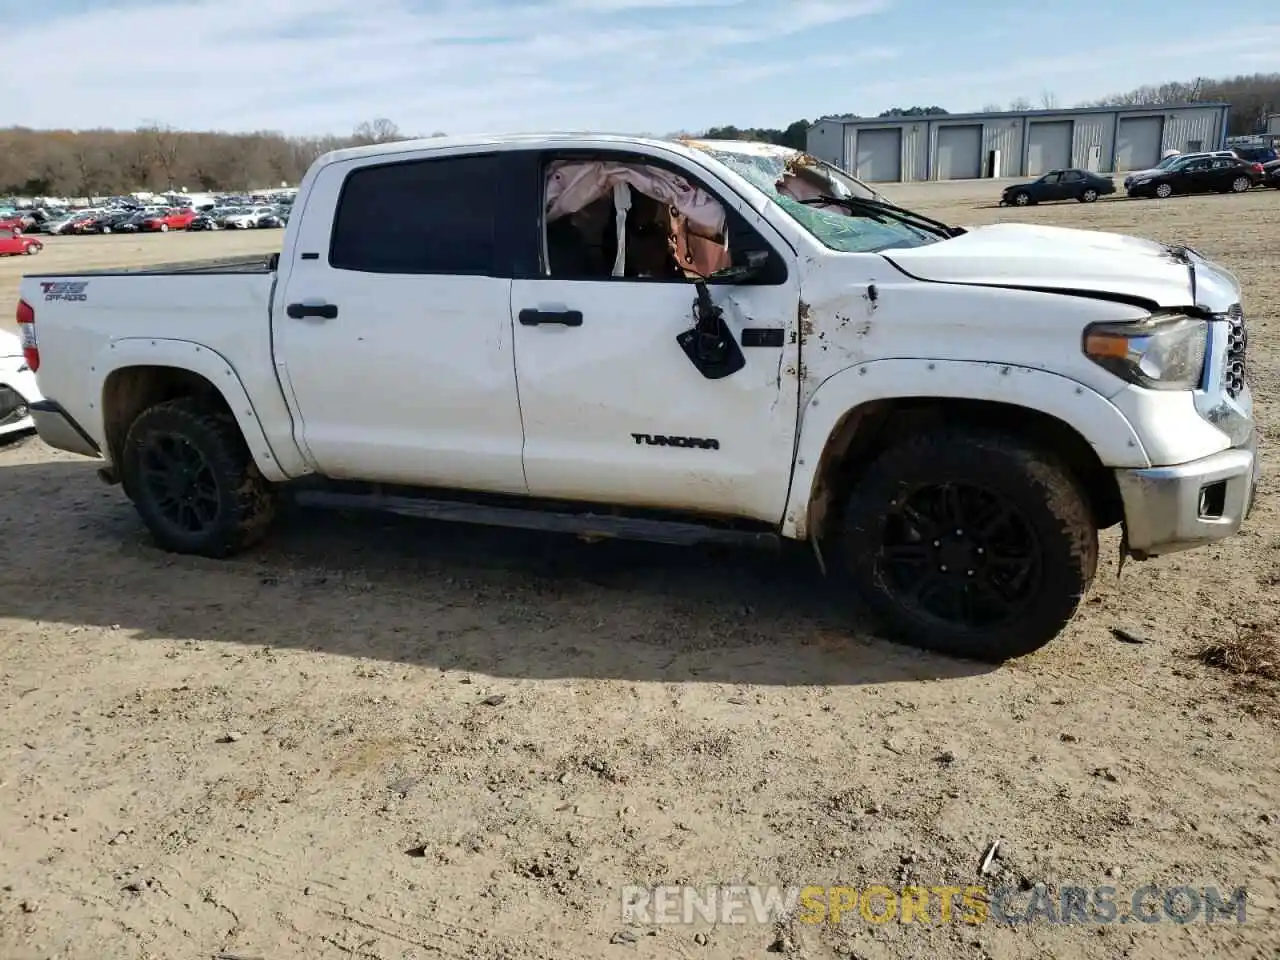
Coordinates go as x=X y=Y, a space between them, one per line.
x=27 y=330
x=1257 y=168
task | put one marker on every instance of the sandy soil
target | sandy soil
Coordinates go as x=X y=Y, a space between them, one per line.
x=385 y=739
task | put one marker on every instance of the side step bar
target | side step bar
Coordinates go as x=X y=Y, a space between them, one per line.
x=604 y=526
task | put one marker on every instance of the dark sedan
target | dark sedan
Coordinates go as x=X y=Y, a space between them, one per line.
x=1271 y=174
x=1084 y=186
x=1199 y=174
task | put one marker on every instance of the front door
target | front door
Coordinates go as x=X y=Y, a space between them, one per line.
x=1196 y=176
x=1051 y=186
x=615 y=411
x=393 y=328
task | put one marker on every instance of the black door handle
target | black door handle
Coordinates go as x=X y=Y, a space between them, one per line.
x=299 y=311
x=570 y=318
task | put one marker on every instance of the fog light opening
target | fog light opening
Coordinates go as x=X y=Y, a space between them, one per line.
x=1213 y=500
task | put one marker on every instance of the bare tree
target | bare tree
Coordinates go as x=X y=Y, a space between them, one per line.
x=166 y=151
x=1048 y=100
x=1020 y=103
x=380 y=130
x=992 y=108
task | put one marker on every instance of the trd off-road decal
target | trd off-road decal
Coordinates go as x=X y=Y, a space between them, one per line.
x=68 y=290
x=658 y=440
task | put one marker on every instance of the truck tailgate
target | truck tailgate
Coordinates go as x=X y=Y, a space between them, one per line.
x=81 y=319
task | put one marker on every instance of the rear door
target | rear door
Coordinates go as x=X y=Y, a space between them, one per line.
x=1223 y=173
x=1073 y=184
x=616 y=412
x=393 y=323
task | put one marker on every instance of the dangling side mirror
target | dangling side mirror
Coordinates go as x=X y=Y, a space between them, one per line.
x=710 y=345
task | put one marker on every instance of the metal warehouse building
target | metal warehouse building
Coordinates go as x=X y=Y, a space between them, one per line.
x=1024 y=143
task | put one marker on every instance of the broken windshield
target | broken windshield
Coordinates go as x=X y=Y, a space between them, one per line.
x=795 y=181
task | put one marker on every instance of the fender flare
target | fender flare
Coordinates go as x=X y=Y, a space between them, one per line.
x=198 y=359
x=1083 y=409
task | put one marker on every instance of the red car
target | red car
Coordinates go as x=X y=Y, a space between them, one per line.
x=173 y=219
x=14 y=224
x=12 y=244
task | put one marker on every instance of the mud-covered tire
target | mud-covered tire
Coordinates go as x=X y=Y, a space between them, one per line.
x=879 y=541
x=237 y=504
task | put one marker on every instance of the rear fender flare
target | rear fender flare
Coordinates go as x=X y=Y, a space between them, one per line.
x=198 y=359
x=1086 y=411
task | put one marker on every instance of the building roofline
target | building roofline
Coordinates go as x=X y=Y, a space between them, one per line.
x=1007 y=114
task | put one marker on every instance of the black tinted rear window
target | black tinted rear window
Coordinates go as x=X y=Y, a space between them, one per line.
x=435 y=216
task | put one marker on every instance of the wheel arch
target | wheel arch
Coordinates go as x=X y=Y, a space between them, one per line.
x=859 y=414
x=146 y=372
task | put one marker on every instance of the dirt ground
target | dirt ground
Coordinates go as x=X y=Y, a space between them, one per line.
x=391 y=739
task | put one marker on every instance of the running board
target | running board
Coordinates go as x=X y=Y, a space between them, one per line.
x=593 y=525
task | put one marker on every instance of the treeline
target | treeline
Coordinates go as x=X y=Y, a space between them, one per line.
x=84 y=163
x=90 y=163
x=1253 y=97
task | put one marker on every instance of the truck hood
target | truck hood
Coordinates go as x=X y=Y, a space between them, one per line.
x=1022 y=256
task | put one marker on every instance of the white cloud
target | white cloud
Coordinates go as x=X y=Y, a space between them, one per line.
x=323 y=65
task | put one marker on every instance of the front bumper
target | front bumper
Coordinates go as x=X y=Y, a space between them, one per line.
x=57 y=428
x=1167 y=509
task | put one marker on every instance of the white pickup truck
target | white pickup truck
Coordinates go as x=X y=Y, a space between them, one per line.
x=675 y=340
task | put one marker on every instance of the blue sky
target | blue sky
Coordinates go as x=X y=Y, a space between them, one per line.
x=642 y=66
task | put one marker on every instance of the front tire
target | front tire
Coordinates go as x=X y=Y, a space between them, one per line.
x=1164 y=191
x=1021 y=199
x=188 y=471
x=1089 y=196
x=971 y=544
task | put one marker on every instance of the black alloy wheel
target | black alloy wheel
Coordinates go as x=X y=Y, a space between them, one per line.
x=961 y=554
x=180 y=483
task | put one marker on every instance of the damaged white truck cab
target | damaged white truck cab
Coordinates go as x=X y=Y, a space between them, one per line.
x=679 y=341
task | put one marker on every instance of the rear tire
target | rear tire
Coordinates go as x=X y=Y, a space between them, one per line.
x=188 y=471
x=1010 y=584
x=1089 y=196
x=1241 y=185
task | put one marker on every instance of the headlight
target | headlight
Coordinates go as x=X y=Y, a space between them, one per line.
x=1162 y=352
x=1143 y=180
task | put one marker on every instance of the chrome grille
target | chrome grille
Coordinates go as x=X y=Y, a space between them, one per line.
x=1237 y=347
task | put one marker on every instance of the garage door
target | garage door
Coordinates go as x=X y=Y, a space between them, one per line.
x=880 y=155
x=1138 y=143
x=959 y=152
x=1048 y=146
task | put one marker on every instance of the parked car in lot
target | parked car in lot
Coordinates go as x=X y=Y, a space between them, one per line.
x=1073 y=184
x=18 y=388
x=112 y=221
x=1263 y=155
x=247 y=218
x=14 y=244
x=1271 y=173
x=1134 y=175
x=1198 y=174
x=175 y=218
x=204 y=221
x=945 y=415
